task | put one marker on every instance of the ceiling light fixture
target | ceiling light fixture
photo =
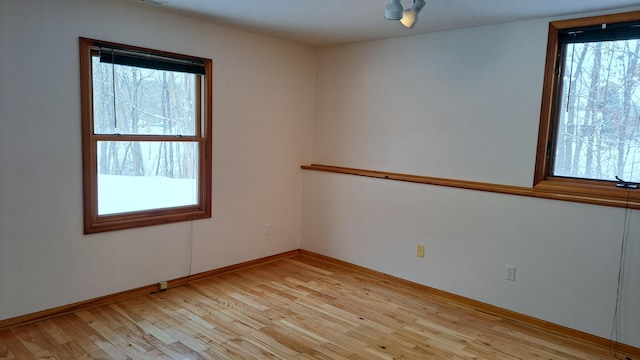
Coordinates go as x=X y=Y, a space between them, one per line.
x=394 y=10
x=408 y=18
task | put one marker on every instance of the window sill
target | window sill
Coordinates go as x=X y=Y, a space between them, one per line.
x=606 y=194
x=134 y=220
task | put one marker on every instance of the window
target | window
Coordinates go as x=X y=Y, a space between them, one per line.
x=146 y=136
x=590 y=116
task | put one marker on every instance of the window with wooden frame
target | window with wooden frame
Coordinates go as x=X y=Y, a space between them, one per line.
x=589 y=135
x=146 y=136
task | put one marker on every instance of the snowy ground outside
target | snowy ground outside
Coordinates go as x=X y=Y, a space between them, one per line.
x=118 y=194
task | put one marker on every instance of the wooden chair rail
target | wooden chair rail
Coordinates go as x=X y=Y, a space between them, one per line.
x=555 y=190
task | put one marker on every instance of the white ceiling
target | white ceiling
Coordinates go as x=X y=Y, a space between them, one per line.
x=328 y=22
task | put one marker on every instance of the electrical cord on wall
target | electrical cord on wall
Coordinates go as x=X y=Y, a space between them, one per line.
x=615 y=328
x=190 y=237
x=190 y=245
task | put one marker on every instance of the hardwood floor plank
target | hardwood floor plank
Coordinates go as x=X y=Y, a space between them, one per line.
x=12 y=348
x=292 y=308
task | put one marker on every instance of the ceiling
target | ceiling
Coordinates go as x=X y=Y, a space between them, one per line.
x=329 y=22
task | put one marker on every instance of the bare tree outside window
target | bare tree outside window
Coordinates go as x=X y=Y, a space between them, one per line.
x=145 y=102
x=599 y=114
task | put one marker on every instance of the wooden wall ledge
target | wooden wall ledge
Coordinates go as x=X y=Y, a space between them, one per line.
x=605 y=196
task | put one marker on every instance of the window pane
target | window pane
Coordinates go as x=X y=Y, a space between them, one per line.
x=597 y=130
x=135 y=176
x=147 y=101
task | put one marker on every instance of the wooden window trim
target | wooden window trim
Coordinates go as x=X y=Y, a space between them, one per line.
x=600 y=192
x=94 y=223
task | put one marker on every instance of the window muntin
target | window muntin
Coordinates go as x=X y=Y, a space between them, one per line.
x=146 y=118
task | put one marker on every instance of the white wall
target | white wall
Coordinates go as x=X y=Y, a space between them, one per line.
x=464 y=105
x=263 y=109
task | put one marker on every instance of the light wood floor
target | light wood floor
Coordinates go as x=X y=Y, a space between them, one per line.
x=294 y=308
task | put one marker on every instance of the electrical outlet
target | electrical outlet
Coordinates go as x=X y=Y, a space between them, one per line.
x=420 y=251
x=510 y=272
x=162 y=285
x=267 y=229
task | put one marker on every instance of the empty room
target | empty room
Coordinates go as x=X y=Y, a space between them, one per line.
x=314 y=179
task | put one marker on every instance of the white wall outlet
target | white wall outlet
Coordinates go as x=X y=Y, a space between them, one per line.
x=510 y=272
x=420 y=251
x=162 y=285
x=267 y=229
